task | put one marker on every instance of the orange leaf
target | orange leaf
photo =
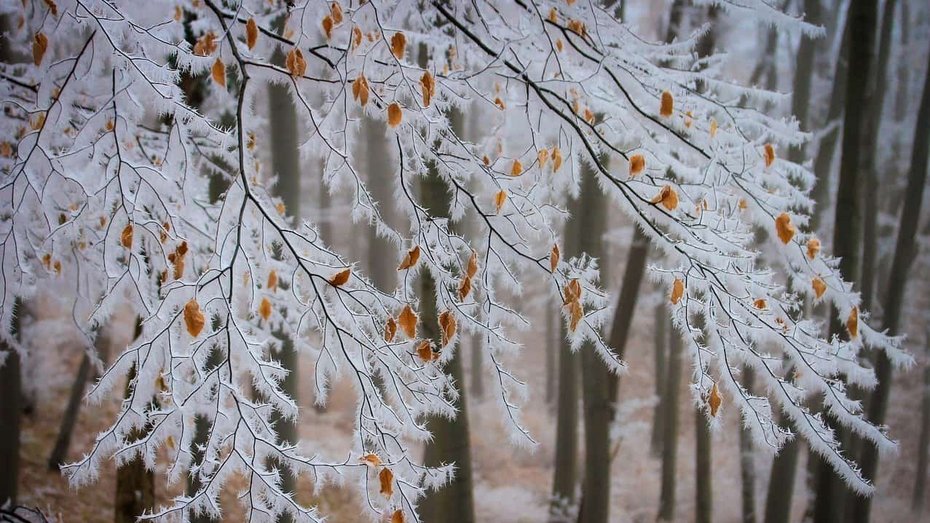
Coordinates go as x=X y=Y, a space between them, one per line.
x=356 y=37
x=760 y=304
x=500 y=103
x=464 y=288
x=576 y=313
x=341 y=277
x=472 y=268
x=398 y=45
x=206 y=44
x=408 y=321
x=296 y=64
x=125 y=237
x=554 y=256
x=273 y=281
x=428 y=87
x=328 y=24
x=251 y=33
x=264 y=309
x=556 y=159
x=395 y=115
x=386 y=477
x=39 y=46
x=397 y=516
x=542 y=156
x=371 y=459
x=769 y=153
x=336 y=12
x=390 y=329
x=516 y=169
x=218 y=72
x=410 y=259
x=52 y=6
x=360 y=90
x=714 y=400
x=743 y=205
x=193 y=318
x=637 y=164
x=813 y=247
x=784 y=227
x=668 y=104
x=553 y=15
x=448 y=324
x=572 y=291
x=425 y=351
x=499 y=200
x=667 y=197
x=819 y=286
x=852 y=322
x=678 y=291
x=713 y=128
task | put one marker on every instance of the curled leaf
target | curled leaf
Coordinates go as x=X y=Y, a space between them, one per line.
x=472 y=268
x=386 y=477
x=667 y=105
x=425 y=351
x=852 y=322
x=218 y=72
x=371 y=459
x=464 y=288
x=637 y=164
x=784 y=227
x=193 y=318
x=397 y=516
x=335 y=11
x=428 y=87
x=356 y=37
x=556 y=159
x=328 y=25
x=819 y=286
x=448 y=325
x=341 y=277
x=500 y=103
x=516 y=169
x=408 y=321
x=410 y=259
x=542 y=156
x=39 y=46
x=125 y=237
x=572 y=291
x=554 y=256
x=760 y=304
x=813 y=247
x=390 y=329
x=678 y=291
x=295 y=62
x=264 y=309
x=667 y=197
x=714 y=400
x=769 y=153
x=499 y=200
x=576 y=312
x=206 y=44
x=360 y=90
x=251 y=33
x=395 y=115
x=273 y=281
x=713 y=128
x=398 y=45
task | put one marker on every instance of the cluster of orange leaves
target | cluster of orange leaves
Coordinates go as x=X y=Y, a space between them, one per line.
x=385 y=480
x=572 y=292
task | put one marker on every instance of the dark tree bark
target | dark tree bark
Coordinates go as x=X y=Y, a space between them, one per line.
x=10 y=414
x=920 y=484
x=905 y=251
x=662 y=365
x=804 y=74
x=670 y=413
x=552 y=348
x=381 y=253
x=847 y=237
x=596 y=378
x=747 y=464
x=781 y=483
x=704 y=491
x=626 y=305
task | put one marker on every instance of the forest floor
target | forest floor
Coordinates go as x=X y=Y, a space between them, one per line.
x=513 y=483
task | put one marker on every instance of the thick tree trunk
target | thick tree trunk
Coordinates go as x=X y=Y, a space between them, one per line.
x=552 y=348
x=803 y=76
x=10 y=415
x=747 y=462
x=451 y=438
x=381 y=253
x=670 y=414
x=662 y=364
x=596 y=378
x=781 y=483
x=626 y=305
x=905 y=251
x=847 y=237
x=920 y=484
x=704 y=489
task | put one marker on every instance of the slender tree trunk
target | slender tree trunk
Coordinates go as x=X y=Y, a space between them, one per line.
x=626 y=305
x=781 y=483
x=10 y=413
x=552 y=348
x=920 y=484
x=847 y=237
x=662 y=365
x=803 y=76
x=596 y=378
x=704 y=491
x=905 y=251
x=747 y=463
x=670 y=413
x=381 y=253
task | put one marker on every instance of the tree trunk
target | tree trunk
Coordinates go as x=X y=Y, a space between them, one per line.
x=905 y=251
x=920 y=484
x=63 y=442
x=552 y=348
x=747 y=463
x=626 y=305
x=662 y=365
x=381 y=253
x=704 y=491
x=781 y=483
x=803 y=76
x=10 y=413
x=450 y=442
x=670 y=414
x=847 y=237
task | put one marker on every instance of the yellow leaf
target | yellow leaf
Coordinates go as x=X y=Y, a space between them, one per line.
x=341 y=277
x=743 y=205
x=218 y=72
x=554 y=256
x=813 y=247
x=769 y=153
x=667 y=197
x=371 y=459
x=39 y=46
x=394 y=115
x=193 y=318
x=819 y=286
x=410 y=259
x=542 y=156
x=448 y=325
x=464 y=288
x=516 y=169
x=264 y=309
x=386 y=477
x=398 y=45
x=713 y=128
x=408 y=321
x=852 y=322
x=667 y=106
x=499 y=200
x=678 y=291
x=637 y=164
x=472 y=268
x=251 y=33
x=714 y=400
x=125 y=237
x=390 y=329
x=784 y=227
x=273 y=280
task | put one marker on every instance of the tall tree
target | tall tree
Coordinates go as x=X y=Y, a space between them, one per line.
x=660 y=348
x=923 y=447
x=10 y=413
x=847 y=232
x=670 y=414
x=905 y=250
x=381 y=253
x=704 y=476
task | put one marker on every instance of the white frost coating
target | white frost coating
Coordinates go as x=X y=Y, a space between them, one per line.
x=102 y=137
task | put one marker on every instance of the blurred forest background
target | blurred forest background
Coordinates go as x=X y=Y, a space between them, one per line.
x=665 y=462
